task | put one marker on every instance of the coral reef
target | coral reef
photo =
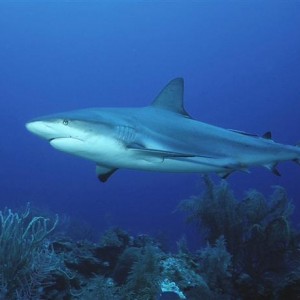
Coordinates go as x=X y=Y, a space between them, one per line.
x=252 y=252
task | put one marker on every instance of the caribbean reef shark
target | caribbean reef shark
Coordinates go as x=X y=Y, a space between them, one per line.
x=160 y=137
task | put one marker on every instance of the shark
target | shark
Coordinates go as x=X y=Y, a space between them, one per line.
x=160 y=137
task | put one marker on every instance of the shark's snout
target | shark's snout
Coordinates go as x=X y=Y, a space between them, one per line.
x=41 y=129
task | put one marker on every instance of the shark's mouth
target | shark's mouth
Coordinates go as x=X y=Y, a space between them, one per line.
x=64 y=138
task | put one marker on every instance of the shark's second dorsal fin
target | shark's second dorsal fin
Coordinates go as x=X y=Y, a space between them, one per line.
x=171 y=97
x=267 y=135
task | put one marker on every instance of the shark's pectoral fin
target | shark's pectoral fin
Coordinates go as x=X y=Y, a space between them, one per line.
x=103 y=173
x=153 y=155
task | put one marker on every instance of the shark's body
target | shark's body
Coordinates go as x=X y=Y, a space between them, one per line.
x=160 y=137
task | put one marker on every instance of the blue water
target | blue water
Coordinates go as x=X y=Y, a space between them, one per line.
x=240 y=62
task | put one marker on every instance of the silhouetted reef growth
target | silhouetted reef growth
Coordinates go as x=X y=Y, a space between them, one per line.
x=258 y=234
x=252 y=252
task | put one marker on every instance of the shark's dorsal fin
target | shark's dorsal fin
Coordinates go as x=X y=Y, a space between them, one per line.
x=171 y=97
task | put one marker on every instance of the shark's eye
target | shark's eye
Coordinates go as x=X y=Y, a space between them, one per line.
x=65 y=122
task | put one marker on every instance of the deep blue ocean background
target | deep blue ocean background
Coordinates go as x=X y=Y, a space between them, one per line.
x=241 y=65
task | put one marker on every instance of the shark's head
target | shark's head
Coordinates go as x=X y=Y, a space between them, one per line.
x=79 y=133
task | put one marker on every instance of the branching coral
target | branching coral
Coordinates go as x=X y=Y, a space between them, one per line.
x=215 y=212
x=257 y=232
x=144 y=277
x=215 y=266
x=25 y=258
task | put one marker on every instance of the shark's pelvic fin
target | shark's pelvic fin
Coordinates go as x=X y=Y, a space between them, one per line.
x=225 y=174
x=232 y=168
x=273 y=169
x=103 y=173
x=171 y=97
x=297 y=161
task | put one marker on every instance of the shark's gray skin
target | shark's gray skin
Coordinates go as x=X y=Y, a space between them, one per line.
x=160 y=137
